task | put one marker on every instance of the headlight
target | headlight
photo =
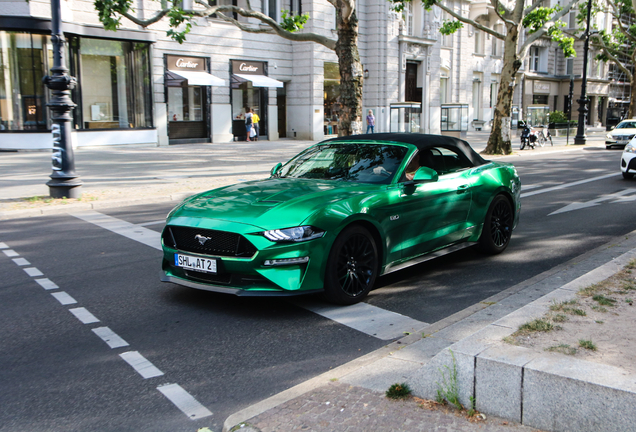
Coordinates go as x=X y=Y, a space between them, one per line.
x=630 y=148
x=296 y=234
x=609 y=136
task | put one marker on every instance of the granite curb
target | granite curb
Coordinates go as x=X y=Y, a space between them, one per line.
x=488 y=370
x=518 y=384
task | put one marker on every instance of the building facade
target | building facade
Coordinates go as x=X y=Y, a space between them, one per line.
x=138 y=86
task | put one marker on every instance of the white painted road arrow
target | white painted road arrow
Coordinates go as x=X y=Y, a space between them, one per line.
x=615 y=197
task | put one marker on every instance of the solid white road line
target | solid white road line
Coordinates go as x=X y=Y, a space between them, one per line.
x=21 y=261
x=567 y=185
x=134 y=232
x=84 y=315
x=64 y=298
x=47 y=284
x=4 y=246
x=10 y=253
x=33 y=272
x=140 y=364
x=110 y=337
x=184 y=401
x=366 y=318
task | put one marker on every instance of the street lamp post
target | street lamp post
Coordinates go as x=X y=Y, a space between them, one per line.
x=64 y=182
x=583 y=101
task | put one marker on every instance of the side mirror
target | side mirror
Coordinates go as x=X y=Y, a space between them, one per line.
x=276 y=168
x=425 y=174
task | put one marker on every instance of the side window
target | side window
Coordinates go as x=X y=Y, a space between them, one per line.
x=447 y=161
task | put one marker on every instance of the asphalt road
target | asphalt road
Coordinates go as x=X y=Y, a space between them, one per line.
x=228 y=352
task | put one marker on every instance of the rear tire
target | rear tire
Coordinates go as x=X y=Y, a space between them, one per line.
x=628 y=176
x=523 y=144
x=495 y=235
x=352 y=266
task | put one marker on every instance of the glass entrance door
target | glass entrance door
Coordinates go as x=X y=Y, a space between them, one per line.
x=187 y=112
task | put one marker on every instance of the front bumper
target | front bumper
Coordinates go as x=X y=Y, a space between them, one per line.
x=628 y=163
x=249 y=276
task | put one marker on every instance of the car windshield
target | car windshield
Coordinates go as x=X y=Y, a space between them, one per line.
x=627 y=125
x=366 y=163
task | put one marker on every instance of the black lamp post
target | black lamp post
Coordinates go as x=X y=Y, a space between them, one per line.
x=64 y=182
x=583 y=101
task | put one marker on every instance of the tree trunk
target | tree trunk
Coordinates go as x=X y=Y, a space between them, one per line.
x=350 y=119
x=499 y=140
x=631 y=112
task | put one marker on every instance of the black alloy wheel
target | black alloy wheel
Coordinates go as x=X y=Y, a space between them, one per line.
x=352 y=266
x=497 y=230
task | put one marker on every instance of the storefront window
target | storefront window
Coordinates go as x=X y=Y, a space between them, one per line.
x=24 y=59
x=115 y=84
x=332 y=98
x=185 y=103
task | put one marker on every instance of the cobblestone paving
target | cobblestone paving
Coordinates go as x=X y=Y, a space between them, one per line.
x=343 y=408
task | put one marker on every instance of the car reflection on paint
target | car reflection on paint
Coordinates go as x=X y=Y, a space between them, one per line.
x=340 y=214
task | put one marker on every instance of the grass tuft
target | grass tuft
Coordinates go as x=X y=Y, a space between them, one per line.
x=587 y=344
x=398 y=391
x=538 y=325
x=604 y=301
x=562 y=348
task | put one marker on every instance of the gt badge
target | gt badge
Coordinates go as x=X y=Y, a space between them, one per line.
x=201 y=239
x=396 y=217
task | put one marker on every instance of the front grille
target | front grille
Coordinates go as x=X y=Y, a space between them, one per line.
x=219 y=243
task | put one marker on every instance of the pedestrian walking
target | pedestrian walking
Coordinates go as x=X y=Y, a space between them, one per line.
x=255 y=120
x=370 y=121
x=249 y=118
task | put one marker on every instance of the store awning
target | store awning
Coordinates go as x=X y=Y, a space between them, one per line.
x=176 y=79
x=259 y=80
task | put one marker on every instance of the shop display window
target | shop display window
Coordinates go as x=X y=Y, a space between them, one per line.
x=332 y=98
x=115 y=84
x=24 y=60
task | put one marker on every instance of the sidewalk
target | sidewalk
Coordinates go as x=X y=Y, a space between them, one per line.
x=129 y=175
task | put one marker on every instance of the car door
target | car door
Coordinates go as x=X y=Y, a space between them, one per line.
x=435 y=213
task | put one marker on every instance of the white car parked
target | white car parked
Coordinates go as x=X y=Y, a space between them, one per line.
x=628 y=160
x=621 y=134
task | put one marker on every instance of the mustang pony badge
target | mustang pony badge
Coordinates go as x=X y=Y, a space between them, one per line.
x=201 y=239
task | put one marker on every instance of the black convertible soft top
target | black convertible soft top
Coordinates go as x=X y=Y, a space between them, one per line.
x=421 y=141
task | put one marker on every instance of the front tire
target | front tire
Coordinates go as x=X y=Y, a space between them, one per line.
x=628 y=176
x=495 y=235
x=352 y=266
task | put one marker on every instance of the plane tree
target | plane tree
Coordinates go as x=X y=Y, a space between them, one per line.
x=618 y=44
x=180 y=16
x=537 y=21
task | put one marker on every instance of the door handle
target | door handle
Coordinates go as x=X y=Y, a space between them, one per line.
x=463 y=188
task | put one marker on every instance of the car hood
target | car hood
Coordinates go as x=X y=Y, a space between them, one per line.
x=623 y=132
x=269 y=204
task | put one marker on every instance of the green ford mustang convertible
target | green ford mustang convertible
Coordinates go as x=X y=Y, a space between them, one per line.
x=340 y=214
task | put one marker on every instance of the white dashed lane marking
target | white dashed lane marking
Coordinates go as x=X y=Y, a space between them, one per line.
x=4 y=246
x=566 y=185
x=10 y=253
x=47 y=284
x=21 y=261
x=64 y=298
x=184 y=401
x=110 y=337
x=140 y=364
x=33 y=272
x=84 y=315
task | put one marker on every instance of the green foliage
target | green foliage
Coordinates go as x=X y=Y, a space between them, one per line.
x=293 y=23
x=108 y=10
x=398 y=391
x=558 y=117
x=450 y=27
x=604 y=301
x=587 y=344
x=448 y=390
x=536 y=19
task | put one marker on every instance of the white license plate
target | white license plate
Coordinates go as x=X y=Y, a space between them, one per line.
x=195 y=263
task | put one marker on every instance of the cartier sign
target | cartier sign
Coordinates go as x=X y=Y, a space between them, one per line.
x=176 y=63
x=248 y=67
x=541 y=87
